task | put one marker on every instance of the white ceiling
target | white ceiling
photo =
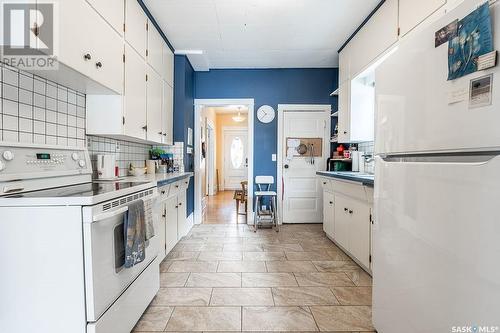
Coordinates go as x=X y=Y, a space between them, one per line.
x=261 y=33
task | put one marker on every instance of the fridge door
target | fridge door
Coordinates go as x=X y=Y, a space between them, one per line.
x=412 y=110
x=436 y=244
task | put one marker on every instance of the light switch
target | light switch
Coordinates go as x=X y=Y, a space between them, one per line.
x=273 y=157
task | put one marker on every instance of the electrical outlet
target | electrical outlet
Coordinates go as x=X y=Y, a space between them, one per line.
x=273 y=157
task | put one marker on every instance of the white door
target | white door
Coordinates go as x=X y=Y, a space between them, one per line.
x=235 y=158
x=302 y=191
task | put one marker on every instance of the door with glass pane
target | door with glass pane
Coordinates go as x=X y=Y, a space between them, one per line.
x=235 y=157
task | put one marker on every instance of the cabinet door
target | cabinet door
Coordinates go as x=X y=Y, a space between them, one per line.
x=107 y=66
x=135 y=27
x=328 y=213
x=171 y=231
x=168 y=114
x=112 y=11
x=155 y=49
x=154 y=106
x=181 y=217
x=344 y=64
x=161 y=232
x=344 y=111
x=412 y=13
x=359 y=231
x=134 y=94
x=168 y=65
x=341 y=221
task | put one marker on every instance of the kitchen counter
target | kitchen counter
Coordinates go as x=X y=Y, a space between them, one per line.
x=160 y=179
x=364 y=178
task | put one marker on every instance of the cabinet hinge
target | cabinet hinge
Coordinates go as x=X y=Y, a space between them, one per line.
x=371 y=218
x=399 y=31
x=146 y=77
x=123 y=57
x=370 y=258
x=123 y=120
x=123 y=27
x=147 y=52
x=147 y=26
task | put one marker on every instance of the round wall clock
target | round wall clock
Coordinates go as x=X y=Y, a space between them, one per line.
x=265 y=114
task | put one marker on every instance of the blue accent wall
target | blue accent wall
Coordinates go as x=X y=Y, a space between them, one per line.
x=184 y=115
x=271 y=87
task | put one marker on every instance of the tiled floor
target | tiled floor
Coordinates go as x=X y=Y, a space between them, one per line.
x=228 y=278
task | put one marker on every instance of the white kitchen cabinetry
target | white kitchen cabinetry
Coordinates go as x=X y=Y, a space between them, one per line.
x=155 y=49
x=167 y=120
x=347 y=217
x=112 y=11
x=412 y=13
x=154 y=106
x=172 y=215
x=134 y=98
x=344 y=121
x=168 y=65
x=136 y=25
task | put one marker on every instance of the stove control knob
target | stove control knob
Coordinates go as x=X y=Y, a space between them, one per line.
x=8 y=155
x=81 y=163
x=2 y=166
x=74 y=156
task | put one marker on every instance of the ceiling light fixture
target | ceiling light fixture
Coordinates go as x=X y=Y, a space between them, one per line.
x=239 y=118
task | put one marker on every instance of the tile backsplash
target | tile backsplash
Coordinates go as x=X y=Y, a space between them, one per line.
x=35 y=110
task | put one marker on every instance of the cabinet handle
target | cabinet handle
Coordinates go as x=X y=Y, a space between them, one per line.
x=87 y=57
x=331 y=202
x=162 y=192
x=345 y=209
x=324 y=183
x=98 y=64
x=176 y=186
x=145 y=127
x=161 y=133
x=350 y=212
x=345 y=132
x=180 y=204
x=163 y=215
x=164 y=134
x=176 y=206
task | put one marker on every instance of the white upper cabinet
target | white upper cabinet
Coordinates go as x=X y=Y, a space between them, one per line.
x=344 y=64
x=155 y=49
x=168 y=114
x=136 y=27
x=134 y=115
x=344 y=124
x=412 y=13
x=168 y=65
x=113 y=12
x=154 y=106
x=376 y=36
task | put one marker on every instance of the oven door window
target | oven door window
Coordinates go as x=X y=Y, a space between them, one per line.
x=119 y=244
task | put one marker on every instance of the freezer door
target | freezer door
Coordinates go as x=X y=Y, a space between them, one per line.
x=412 y=110
x=436 y=244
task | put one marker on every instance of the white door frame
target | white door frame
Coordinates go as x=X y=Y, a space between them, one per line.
x=199 y=104
x=210 y=158
x=282 y=108
x=226 y=129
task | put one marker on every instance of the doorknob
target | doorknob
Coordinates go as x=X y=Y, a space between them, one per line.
x=286 y=166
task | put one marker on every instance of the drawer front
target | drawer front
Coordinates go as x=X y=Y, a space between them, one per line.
x=351 y=189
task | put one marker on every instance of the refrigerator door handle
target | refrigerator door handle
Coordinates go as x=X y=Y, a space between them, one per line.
x=447 y=158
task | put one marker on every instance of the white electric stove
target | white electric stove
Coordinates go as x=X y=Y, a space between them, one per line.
x=62 y=247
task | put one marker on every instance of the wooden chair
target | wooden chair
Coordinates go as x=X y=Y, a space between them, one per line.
x=241 y=197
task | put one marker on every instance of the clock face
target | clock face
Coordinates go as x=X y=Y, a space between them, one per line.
x=265 y=114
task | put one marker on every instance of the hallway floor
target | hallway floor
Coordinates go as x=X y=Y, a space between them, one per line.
x=221 y=208
x=228 y=278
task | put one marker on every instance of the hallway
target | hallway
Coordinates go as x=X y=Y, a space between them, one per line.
x=221 y=209
x=228 y=278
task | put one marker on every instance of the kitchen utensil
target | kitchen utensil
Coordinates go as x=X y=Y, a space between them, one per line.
x=106 y=166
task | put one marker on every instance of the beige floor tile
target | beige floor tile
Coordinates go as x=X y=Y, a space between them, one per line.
x=182 y=297
x=307 y=255
x=263 y=256
x=165 y=265
x=242 y=297
x=323 y=279
x=290 y=266
x=282 y=247
x=241 y=266
x=154 y=319
x=336 y=254
x=268 y=280
x=173 y=279
x=205 y=319
x=183 y=256
x=336 y=266
x=201 y=247
x=214 y=280
x=303 y=296
x=353 y=295
x=360 y=278
x=193 y=266
x=343 y=318
x=292 y=318
x=226 y=255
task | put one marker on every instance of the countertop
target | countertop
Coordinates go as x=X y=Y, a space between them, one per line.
x=364 y=178
x=160 y=178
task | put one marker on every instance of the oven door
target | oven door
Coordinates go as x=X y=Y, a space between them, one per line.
x=106 y=278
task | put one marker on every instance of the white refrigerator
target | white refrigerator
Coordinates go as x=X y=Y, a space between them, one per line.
x=436 y=234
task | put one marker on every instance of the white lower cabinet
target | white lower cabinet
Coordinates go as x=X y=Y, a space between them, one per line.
x=172 y=216
x=347 y=209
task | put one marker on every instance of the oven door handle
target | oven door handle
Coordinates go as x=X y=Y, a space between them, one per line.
x=104 y=216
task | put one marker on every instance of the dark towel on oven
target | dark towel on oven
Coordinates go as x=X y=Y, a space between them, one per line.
x=134 y=226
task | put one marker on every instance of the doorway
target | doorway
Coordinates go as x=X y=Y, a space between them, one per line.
x=223 y=163
x=303 y=148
